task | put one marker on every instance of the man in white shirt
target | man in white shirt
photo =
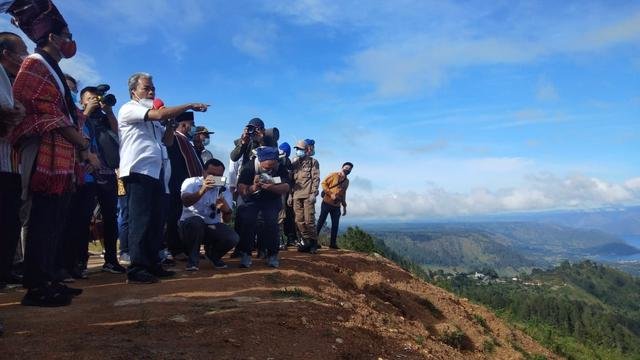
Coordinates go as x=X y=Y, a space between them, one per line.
x=207 y=206
x=142 y=155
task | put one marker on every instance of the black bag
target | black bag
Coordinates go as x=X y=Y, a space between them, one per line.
x=107 y=141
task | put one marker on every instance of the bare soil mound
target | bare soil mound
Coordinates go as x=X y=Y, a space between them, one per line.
x=334 y=305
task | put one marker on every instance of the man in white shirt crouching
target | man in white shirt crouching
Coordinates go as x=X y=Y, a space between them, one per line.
x=207 y=206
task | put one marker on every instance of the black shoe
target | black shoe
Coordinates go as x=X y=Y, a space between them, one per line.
x=13 y=279
x=78 y=274
x=168 y=262
x=334 y=247
x=45 y=297
x=160 y=272
x=113 y=268
x=65 y=290
x=141 y=277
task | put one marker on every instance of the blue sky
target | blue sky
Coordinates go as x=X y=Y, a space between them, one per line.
x=446 y=107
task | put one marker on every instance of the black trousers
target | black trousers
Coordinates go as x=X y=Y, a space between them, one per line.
x=10 y=189
x=73 y=245
x=270 y=231
x=44 y=228
x=174 y=212
x=334 y=211
x=145 y=199
x=107 y=196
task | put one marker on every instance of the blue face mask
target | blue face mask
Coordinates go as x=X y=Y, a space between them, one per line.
x=192 y=133
x=300 y=153
x=205 y=142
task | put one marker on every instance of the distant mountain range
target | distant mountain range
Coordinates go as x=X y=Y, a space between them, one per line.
x=509 y=247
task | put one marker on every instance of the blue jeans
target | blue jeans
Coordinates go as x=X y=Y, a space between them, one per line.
x=123 y=223
x=270 y=232
x=145 y=196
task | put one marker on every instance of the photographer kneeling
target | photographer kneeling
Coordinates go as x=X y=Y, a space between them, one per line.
x=207 y=206
x=261 y=185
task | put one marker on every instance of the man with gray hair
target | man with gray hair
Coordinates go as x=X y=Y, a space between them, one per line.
x=142 y=154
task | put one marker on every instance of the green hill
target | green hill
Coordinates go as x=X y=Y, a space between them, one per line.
x=581 y=311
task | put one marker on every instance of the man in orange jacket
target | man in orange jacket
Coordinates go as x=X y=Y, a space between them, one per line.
x=334 y=188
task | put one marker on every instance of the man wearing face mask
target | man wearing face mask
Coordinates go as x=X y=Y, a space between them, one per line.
x=185 y=163
x=12 y=52
x=73 y=87
x=200 y=140
x=142 y=155
x=261 y=185
x=305 y=180
x=334 y=188
x=49 y=142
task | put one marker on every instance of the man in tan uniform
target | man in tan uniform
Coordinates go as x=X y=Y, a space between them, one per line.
x=305 y=176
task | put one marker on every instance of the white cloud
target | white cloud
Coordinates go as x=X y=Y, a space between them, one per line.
x=546 y=91
x=545 y=192
x=256 y=40
x=83 y=68
x=404 y=59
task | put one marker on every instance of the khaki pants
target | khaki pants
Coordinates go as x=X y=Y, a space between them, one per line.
x=305 y=211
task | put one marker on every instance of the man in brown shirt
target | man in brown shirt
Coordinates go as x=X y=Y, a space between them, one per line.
x=305 y=176
x=334 y=187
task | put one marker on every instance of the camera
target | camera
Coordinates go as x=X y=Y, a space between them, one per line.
x=268 y=179
x=251 y=130
x=103 y=97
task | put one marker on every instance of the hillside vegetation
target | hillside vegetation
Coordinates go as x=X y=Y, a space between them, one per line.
x=580 y=311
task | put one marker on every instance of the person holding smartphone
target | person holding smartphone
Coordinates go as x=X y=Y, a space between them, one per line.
x=207 y=207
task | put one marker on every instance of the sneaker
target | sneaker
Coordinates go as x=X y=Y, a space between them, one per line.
x=335 y=247
x=45 y=297
x=272 y=261
x=141 y=277
x=65 y=290
x=168 y=262
x=64 y=276
x=245 y=261
x=113 y=268
x=124 y=258
x=192 y=268
x=161 y=272
x=219 y=264
x=79 y=273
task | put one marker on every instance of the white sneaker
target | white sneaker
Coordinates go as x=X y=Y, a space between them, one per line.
x=192 y=268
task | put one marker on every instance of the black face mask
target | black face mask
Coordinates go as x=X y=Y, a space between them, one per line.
x=346 y=172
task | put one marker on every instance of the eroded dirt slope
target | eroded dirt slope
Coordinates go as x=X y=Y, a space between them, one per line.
x=334 y=305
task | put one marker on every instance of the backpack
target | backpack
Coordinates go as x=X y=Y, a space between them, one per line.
x=107 y=142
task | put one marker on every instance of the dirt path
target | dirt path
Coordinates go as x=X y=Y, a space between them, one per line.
x=335 y=305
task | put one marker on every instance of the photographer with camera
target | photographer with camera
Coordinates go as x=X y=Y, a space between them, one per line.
x=207 y=207
x=253 y=136
x=101 y=127
x=261 y=185
x=142 y=168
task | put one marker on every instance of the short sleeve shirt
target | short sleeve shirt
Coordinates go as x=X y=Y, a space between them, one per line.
x=202 y=208
x=141 y=148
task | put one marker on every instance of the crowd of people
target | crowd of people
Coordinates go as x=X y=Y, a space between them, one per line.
x=67 y=159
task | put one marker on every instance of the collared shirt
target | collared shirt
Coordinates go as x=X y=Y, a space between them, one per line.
x=202 y=208
x=141 y=148
x=8 y=160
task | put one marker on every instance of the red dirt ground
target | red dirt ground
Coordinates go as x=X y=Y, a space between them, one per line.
x=334 y=305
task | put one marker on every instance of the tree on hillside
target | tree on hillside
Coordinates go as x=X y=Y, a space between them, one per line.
x=357 y=240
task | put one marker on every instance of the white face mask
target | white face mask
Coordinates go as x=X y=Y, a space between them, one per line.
x=148 y=103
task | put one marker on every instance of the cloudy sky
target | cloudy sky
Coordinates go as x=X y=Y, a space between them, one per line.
x=446 y=107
